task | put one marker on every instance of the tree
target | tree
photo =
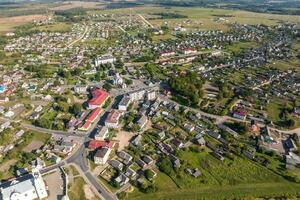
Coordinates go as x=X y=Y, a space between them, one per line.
x=166 y=166
x=107 y=86
x=63 y=106
x=128 y=81
x=135 y=127
x=6 y=137
x=119 y=63
x=44 y=123
x=76 y=72
x=149 y=174
x=107 y=103
x=76 y=108
x=122 y=195
x=98 y=76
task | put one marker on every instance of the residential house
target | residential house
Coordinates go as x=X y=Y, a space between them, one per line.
x=137 y=140
x=99 y=98
x=112 y=120
x=177 y=143
x=122 y=179
x=102 y=133
x=102 y=155
x=147 y=159
x=116 y=164
x=125 y=156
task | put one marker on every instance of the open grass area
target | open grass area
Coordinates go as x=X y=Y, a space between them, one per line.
x=76 y=191
x=239 y=46
x=57 y=27
x=236 y=179
x=225 y=192
x=292 y=64
x=274 y=109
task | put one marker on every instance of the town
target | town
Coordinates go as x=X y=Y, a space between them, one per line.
x=149 y=102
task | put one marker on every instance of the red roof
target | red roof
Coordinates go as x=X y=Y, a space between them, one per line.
x=95 y=144
x=99 y=96
x=93 y=115
x=240 y=112
x=86 y=125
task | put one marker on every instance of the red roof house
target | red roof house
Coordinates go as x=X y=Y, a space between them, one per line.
x=96 y=144
x=93 y=115
x=99 y=97
x=85 y=126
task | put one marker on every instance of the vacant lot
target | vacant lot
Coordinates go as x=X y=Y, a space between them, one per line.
x=77 y=191
x=35 y=144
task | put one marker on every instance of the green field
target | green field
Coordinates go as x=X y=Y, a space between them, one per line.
x=274 y=109
x=285 y=65
x=236 y=179
x=239 y=46
x=58 y=27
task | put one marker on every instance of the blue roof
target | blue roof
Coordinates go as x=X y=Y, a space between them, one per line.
x=2 y=88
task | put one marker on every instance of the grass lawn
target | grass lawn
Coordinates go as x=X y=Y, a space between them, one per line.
x=224 y=192
x=107 y=184
x=239 y=46
x=273 y=110
x=76 y=191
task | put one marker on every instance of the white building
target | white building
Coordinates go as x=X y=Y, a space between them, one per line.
x=124 y=103
x=102 y=155
x=27 y=187
x=80 y=89
x=102 y=133
x=142 y=121
x=105 y=59
x=117 y=79
x=136 y=96
x=151 y=95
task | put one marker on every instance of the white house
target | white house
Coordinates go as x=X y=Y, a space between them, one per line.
x=102 y=133
x=124 y=103
x=102 y=155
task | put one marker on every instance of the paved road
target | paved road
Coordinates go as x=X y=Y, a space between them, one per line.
x=80 y=38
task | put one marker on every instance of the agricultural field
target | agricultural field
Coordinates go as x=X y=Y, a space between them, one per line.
x=8 y=24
